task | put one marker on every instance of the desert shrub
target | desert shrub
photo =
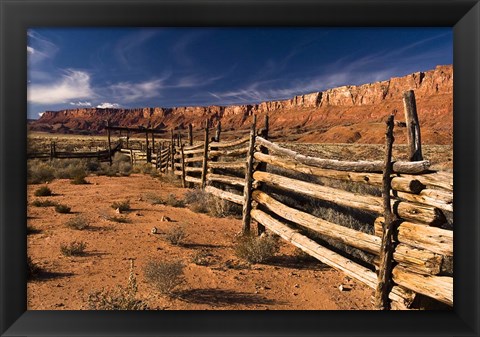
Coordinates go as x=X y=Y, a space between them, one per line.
x=78 y=223
x=256 y=249
x=202 y=258
x=153 y=199
x=59 y=208
x=43 y=203
x=122 y=206
x=75 y=248
x=120 y=166
x=119 y=219
x=202 y=202
x=165 y=275
x=173 y=201
x=69 y=168
x=197 y=200
x=39 y=172
x=170 y=178
x=79 y=180
x=32 y=268
x=122 y=298
x=43 y=191
x=176 y=235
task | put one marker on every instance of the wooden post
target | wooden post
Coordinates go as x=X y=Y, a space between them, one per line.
x=263 y=166
x=51 y=150
x=413 y=126
x=172 y=153
x=384 y=277
x=109 y=143
x=190 y=134
x=159 y=158
x=153 y=142
x=205 y=157
x=247 y=190
x=183 y=166
x=128 y=138
x=179 y=139
x=218 y=131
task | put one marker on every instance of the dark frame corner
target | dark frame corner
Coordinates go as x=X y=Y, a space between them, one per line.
x=17 y=16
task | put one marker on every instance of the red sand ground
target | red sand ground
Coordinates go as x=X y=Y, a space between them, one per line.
x=286 y=283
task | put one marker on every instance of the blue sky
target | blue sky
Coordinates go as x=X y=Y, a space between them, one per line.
x=167 y=67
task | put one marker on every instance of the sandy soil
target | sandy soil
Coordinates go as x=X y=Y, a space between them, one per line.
x=227 y=283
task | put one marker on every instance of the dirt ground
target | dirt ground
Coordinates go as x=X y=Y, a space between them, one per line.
x=228 y=283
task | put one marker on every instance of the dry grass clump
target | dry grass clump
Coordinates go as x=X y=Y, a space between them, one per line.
x=122 y=298
x=202 y=258
x=79 y=180
x=122 y=206
x=153 y=199
x=39 y=172
x=176 y=235
x=32 y=268
x=121 y=166
x=78 y=223
x=173 y=201
x=201 y=202
x=75 y=248
x=256 y=249
x=43 y=191
x=119 y=219
x=43 y=203
x=146 y=168
x=165 y=275
x=170 y=178
x=59 y=208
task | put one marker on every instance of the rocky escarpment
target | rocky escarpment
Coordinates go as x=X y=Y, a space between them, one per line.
x=342 y=114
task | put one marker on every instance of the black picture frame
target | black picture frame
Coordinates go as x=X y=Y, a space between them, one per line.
x=18 y=15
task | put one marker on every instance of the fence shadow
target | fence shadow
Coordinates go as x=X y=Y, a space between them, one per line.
x=222 y=297
x=294 y=262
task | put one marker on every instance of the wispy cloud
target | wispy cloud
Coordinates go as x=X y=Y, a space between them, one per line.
x=131 y=92
x=127 y=46
x=81 y=103
x=39 y=48
x=107 y=105
x=180 y=49
x=73 y=84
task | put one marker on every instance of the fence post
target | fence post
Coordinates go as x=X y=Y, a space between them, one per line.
x=172 y=153
x=218 y=131
x=109 y=143
x=52 y=153
x=247 y=190
x=205 y=157
x=413 y=126
x=263 y=166
x=183 y=166
x=384 y=276
x=159 y=158
x=190 y=134
x=153 y=142
x=179 y=139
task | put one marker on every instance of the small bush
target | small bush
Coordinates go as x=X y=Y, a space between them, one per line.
x=43 y=203
x=43 y=191
x=176 y=235
x=153 y=199
x=202 y=258
x=202 y=202
x=32 y=269
x=173 y=201
x=164 y=275
x=75 y=248
x=256 y=249
x=79 y=180
x=119 y=219
x=78 y=223
x=39 y=172
x=122 y=206
x=59 y=208
x=118 y=299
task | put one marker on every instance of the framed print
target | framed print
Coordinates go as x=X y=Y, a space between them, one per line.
x=239 y=168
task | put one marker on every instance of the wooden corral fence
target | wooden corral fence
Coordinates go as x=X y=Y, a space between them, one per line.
x=411 y=234
x=101 y=155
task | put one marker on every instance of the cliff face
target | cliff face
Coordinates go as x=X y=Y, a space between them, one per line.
x=343 y=114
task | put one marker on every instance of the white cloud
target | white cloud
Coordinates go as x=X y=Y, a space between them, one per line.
x=30 y=50
x=81 y=103
x=107 y=105
x=73 y=84
x=41 y=113
x=130 y=92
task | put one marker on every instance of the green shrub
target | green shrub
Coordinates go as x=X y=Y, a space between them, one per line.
x=43 y=203
x=43 y=191
x=59 y=208
x=176 y=235
x=118 y=299
x=256 y=249
x=165 y=275
x=75 y=248
x=78 y=223
x=122 y=206
x=39 y=172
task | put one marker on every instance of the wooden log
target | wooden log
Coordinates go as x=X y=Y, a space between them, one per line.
x=193 y=169
x=172 y=151
x=196 y=151
x=227 y=164
x=159 y=157
x=436 y=198
x=190 y=134
x=184 y=184
x=368 y=203
x=205 y=157
x=194 y=159
x=434 y=239
x=398 y=183
x=230 y=143
x=263 y=166
x=194 y=147
x=218 y=131
x=235 y=181
x=247 y=189
x=238 y=199
x=193 y=180
x=228 y=153
x=354 y=166
x=435 y=180
x=384 y=285
x=437 y=287
x=413 y=126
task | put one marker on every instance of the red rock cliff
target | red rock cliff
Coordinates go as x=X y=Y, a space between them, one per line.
x=343 y=114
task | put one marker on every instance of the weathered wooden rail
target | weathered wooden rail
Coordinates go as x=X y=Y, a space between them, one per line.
x=410 y=239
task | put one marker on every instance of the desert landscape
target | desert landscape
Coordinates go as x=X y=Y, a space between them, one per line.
x=159 y=223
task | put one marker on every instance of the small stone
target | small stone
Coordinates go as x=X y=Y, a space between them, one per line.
x=297 y=286
x=118 y=211
x=154 y=230
x=138 y=214
x=294 y=294
x=165 y=218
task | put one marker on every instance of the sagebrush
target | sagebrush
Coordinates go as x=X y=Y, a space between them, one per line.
x=165 y=276
x=256 y=249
